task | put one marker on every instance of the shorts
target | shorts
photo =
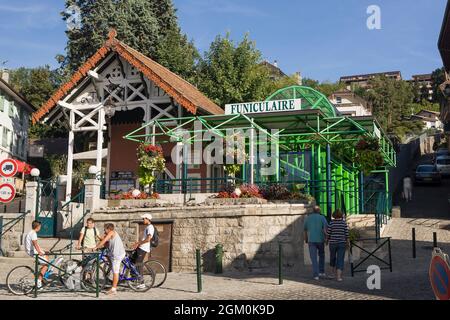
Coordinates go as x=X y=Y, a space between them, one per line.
x=43 y=260
x=115 y=263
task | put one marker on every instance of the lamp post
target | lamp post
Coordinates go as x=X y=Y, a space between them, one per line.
x=35 y=172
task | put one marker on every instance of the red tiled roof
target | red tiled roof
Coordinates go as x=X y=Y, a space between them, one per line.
x=184 y=93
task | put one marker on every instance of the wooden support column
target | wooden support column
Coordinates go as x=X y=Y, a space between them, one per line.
x=70 y=156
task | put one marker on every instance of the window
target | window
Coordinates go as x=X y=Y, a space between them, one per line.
x=339 y=100
x=2 y=102
x=5 y=138
x=12 y=109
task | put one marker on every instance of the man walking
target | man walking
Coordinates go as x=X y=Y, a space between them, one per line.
x=315 y=230
x=407 y=188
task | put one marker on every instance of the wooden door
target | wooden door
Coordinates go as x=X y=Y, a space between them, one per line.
x=162 y=253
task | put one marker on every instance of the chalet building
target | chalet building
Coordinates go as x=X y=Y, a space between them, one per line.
x=117 y=90
x=349 y=104
x=362 y=80
x=430 y=119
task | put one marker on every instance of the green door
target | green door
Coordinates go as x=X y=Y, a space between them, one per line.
x=47 y=208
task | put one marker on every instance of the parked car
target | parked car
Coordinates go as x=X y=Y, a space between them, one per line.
x=442 y=152
x=427 y=173
x=443 y=165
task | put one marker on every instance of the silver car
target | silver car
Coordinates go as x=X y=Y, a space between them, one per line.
x=443 y=165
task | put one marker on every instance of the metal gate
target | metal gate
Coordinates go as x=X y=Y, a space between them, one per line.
x=47 y=207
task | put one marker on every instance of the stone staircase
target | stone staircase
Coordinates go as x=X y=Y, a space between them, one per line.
x=47 y=244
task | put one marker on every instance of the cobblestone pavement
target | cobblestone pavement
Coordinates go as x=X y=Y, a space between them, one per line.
x=409 y=279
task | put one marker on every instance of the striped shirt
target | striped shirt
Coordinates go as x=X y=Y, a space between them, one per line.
x=337 y=231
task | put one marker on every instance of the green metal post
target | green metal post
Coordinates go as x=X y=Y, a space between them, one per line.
x=199 y=270
x=328 y=182
x=361 y=192
x=36 y=274
x=386 y=176
x=97 y=271
x=280 y=263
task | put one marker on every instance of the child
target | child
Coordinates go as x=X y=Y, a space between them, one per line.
x=88 y=236
x=32 y=248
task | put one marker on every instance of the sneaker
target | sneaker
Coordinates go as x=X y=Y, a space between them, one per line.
x=141 y=286
x=323 y=276
x=316 y=278
x=339 y=280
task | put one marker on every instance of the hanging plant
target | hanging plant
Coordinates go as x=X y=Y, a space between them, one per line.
x=368 y=156
x=151 y=162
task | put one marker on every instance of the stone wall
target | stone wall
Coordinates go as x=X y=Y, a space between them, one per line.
x=12 y=240
x=248 y=233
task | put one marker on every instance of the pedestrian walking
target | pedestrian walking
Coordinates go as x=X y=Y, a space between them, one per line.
x=338 y=239
x=315 y=232
x=407 y=188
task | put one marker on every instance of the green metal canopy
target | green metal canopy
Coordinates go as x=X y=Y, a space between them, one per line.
x=311 y=99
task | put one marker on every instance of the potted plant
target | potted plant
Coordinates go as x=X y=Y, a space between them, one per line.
x=151 y=162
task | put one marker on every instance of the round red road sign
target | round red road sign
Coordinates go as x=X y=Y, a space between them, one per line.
x=8 y=168
x=7 y=193
x=440 y=276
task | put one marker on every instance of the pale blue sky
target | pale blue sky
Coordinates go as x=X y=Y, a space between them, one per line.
x=323 y=39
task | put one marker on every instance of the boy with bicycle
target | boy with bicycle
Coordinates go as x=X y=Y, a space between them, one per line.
x=89 y=236
x=32 y=248
x=143 y=247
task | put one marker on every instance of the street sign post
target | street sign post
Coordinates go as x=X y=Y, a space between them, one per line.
x=439 y=274
x=8 y=168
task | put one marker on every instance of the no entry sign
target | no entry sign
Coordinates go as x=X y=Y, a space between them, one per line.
x=8 y=168
x=7 y=192
x=440 y=274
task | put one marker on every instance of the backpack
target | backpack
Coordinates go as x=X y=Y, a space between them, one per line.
x=85 y=231
x=154 y=242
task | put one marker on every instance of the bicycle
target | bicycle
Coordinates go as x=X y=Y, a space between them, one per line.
x=21 y=279
x=130 y=274
x=160 y=272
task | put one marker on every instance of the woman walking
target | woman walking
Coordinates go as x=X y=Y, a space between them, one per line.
x=337 y=237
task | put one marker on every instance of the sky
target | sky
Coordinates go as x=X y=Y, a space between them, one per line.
x=323 y=39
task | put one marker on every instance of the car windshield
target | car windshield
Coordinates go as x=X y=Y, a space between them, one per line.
x=445 y=161
x=425 y=169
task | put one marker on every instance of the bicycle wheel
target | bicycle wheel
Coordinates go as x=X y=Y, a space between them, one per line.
x=141 y=283
x=20 y=280
x=88 y=278
x=160 y=272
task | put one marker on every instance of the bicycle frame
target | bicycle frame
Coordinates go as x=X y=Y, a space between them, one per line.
x=127 y=264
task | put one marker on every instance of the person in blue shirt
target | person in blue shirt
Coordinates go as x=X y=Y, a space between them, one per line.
x=315 y=229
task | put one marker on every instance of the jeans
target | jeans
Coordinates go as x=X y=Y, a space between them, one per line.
x=317 y=249
x=337 y=255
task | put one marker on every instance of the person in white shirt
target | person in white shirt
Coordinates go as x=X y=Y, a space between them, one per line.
x=144 y=246
x=32 y=248
x=407 y=188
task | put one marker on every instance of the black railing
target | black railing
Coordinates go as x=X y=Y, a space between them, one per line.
x=380 y=243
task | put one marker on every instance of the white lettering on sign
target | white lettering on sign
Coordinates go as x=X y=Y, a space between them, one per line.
x=7 y=192
x=264 y=106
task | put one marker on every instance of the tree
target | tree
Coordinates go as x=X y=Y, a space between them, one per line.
x=145 y=25
x=36 y=85
x=231 y=73
x=437 y=78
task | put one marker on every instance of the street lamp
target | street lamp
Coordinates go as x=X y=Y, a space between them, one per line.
x=35 y=173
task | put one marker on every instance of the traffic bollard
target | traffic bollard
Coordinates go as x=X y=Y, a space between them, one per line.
x=435 y=244
x=414 y=242
x=280 y=264
x=219 y=259
x=199 y=271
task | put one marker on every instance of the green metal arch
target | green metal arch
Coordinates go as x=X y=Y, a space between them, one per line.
x=312 y=99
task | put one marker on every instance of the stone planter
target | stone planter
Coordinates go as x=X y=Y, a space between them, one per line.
x=133 y=203
x=232 y=201
x=290 y=201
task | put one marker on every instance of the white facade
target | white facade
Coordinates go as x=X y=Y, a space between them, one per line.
x=348 y=106
x=14 y=122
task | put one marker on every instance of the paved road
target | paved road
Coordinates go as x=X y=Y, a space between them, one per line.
x=409 y=279
x=428 y=201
